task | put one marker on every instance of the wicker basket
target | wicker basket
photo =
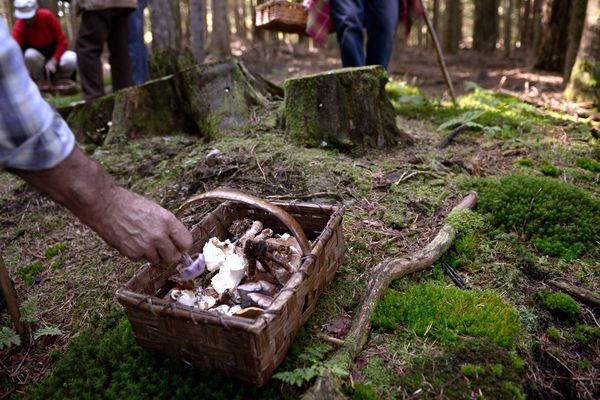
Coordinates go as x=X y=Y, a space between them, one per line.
x=58 y=87
x=282 y=16
x=247 y=349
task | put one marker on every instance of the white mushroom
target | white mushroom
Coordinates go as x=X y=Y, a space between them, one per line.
x=215 y=253
x=231 y=273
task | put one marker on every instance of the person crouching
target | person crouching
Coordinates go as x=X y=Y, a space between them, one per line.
x=40 y=36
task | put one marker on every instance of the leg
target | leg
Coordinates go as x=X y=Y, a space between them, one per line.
x=35 y=62
x=93 y=32
x=67 y=64
x=381 y=21
x=120 y=63
x=348 y=17
x=137 y=48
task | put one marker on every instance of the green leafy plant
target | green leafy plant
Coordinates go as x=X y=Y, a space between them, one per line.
x=8 y=337
x=497 y=370
x=446 y=313
x=525 y=162
x=560 y=219
x=47 y=331
x=364 y=392
x=472 y=370
x=553 y=333
x=313 y=365
x=588 y=163
x=29 y=310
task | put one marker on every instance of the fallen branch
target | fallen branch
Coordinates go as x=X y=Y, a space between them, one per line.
x=447 y=139
x=328 y=386
x=587 y=296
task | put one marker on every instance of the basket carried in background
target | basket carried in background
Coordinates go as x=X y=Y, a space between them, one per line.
x=58 y=87
x=249 y=349
x=282 y=16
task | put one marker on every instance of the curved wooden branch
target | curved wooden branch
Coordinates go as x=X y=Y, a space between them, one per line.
x=328 y=386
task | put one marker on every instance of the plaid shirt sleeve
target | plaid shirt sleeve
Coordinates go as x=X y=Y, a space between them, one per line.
x=32 y=135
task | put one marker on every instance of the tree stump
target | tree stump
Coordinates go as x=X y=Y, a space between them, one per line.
x=344 y=108
x=209 y=99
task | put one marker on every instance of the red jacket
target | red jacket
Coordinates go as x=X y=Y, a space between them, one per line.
x=45 y=35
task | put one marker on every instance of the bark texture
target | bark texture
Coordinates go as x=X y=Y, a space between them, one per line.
x=485 y=30
x=166 y=25
x=221 y=35
x=344 y=108
x=551 y=54
x=585 y=77
x=329 y=386
x=197 y=28
x=210 y=99
x=574 y=37
x=453 y=27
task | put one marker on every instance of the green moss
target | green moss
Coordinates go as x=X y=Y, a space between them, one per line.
x=560 y=304
x=105 y=362
x=55 y=250
x=364 y=392
x=472 y=371
x=28 y=272
x=560 y=219
x=446 y=313
x=378 y=374
x=549 y=170
x=588 y=163
x=553 y=333
x=497 y=370
x=585 y=334
x=465 y=221
x=515 y=391
x=584 y=365
x=517 y=362
x=525 y=162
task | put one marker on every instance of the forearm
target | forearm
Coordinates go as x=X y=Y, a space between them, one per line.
x=78 y=183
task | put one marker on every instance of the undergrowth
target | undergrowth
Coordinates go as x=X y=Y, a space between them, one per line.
x=560 y=219
x=445 y=314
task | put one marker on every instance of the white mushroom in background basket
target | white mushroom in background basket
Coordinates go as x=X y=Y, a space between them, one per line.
x=230 y=274
x=215 y=253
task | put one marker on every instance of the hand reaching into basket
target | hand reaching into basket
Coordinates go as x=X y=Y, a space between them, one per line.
x=134 y=225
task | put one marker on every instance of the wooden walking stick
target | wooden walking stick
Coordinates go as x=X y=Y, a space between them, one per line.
x=438 y=52
x=12 y=305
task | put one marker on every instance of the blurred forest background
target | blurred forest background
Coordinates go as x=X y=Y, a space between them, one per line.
x=528 y=46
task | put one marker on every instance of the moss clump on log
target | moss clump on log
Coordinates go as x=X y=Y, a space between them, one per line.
x=210 y=99
x=343 y=108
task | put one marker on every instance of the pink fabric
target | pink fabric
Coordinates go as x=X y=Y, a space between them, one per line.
x=319 y=21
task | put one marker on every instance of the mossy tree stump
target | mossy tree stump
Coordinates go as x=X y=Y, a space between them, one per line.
x=344 y=108
x=209 y=99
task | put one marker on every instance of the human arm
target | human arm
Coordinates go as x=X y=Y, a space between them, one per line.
x=58 y=36
x=37 y=145
x=17 y=33
x=134 y=225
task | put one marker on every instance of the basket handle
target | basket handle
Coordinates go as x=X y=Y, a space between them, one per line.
x=255 y=202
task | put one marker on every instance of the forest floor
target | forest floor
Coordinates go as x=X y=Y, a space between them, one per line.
x=512 y=334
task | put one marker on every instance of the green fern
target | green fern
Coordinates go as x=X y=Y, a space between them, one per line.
x=47 y=331
x=467 y=118
x=297 y=377
x=29 y=310
x=8 y=337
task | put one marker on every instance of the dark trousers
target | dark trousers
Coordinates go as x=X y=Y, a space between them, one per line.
x=109 y=26
x=380 y=17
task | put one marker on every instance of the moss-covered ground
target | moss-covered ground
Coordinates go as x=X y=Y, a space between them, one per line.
x=510 y=334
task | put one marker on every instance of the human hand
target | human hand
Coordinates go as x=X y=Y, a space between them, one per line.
x=51 y=66
x=140 y=228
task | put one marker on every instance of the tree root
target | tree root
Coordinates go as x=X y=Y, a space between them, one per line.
x=328 y=385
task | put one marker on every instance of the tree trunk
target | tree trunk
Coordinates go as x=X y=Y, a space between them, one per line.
x=524 y=27
x=257 y=34
x=436 y=16
x=507 y=9
x=166 y=25
x=7 y=11
x=574 y=37
x=220 y=40
x=485 y=30
x=585 y=76
x=345 y=109
x=551 y=55
x=536 y=25
x=198 y=28
x=452 y=27
x=51 y=5
x=237 y=15
x=244 y=31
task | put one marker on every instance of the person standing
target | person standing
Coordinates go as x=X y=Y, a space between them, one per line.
x=137 y=48
x=104 y=21
x=380 y=17
x=43 y=42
